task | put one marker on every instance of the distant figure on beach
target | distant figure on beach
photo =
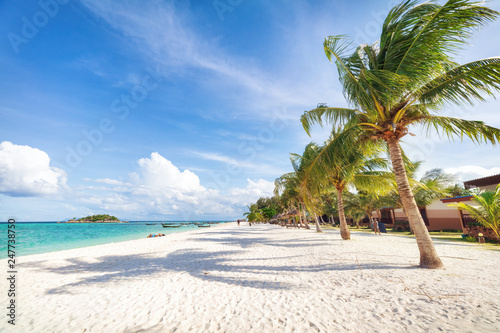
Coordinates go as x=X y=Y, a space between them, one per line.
x=238 y=222
x=375 y=227
x=249 y=223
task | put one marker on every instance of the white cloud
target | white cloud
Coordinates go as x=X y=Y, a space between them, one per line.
x=469 y=172
x=159 y=188
x=170 y=39
x=225 y=159
x=159 y=173
x=109 y=181
x=253 y=191
x=26 y=171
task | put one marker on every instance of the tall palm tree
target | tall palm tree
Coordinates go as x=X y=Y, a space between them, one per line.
x=404 y=78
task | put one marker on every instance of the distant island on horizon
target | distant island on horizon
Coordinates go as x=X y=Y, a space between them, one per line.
x=102 y=218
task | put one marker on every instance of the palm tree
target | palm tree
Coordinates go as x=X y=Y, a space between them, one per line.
x=364 y=203
x=339 y=167
x=254 y=213
x=434 y=184
x=329 y=206
x=297 y=188
x=404 y=78
x=488 y=211
x=289 y=184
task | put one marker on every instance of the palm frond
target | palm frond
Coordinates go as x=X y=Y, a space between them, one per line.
x=349 y=67
x=450 y=127
x=324 y=114
x=426 y=34
x=464 y=83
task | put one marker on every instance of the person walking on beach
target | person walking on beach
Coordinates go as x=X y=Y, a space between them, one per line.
x=238 y=222
x=375 y=227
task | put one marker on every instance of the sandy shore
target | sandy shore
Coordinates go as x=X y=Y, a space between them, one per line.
x=261 y=278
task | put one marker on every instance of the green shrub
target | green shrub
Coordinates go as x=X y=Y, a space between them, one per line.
x=470 y=239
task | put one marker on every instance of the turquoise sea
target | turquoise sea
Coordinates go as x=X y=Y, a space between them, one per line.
x=43 y=237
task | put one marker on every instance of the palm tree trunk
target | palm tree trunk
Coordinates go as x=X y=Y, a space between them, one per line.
x=428 y=254
x=344 y=230
x=318 y=228
x=293 y=222
x=305 y=218
x=331 y=220
x=300 y=220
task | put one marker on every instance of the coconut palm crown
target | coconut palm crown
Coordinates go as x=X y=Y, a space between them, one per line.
x=404 y=78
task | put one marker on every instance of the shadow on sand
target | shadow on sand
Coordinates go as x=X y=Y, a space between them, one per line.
x=211 y=266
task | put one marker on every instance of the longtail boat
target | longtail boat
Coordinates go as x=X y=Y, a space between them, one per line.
x=170 y=225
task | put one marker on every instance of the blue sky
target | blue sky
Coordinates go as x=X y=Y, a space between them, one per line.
x=180 y=110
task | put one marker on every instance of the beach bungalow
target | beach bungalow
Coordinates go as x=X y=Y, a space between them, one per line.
x=438 y=215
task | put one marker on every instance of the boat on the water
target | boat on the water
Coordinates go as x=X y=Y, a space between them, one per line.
x=164 y=225
x=203 y=226
x=150 y=223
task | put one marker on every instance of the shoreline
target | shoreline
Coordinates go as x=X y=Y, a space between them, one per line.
x=262 y=278
x=102 y=239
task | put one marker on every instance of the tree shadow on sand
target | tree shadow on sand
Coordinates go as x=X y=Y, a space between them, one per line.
x=219 y=266
x=239 y=237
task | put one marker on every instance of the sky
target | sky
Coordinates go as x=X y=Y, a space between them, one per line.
x=182 y=110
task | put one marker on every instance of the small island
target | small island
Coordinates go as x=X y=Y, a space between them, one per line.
x=102 y=218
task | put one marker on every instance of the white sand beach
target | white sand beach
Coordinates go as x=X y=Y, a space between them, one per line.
x=262 y=278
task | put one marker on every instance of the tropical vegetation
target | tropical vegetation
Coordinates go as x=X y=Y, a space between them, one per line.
x=392 y=86
x=487 y=211
x=404 y=79
x=99 y=217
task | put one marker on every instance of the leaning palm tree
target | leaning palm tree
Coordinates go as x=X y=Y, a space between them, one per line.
x=404 y=78
x=310 y=192
x=288 y=185
x=340 y=163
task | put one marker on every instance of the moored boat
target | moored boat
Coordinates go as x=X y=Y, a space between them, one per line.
x=164 y=225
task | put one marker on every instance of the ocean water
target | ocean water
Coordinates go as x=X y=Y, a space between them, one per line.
x=43 y=237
